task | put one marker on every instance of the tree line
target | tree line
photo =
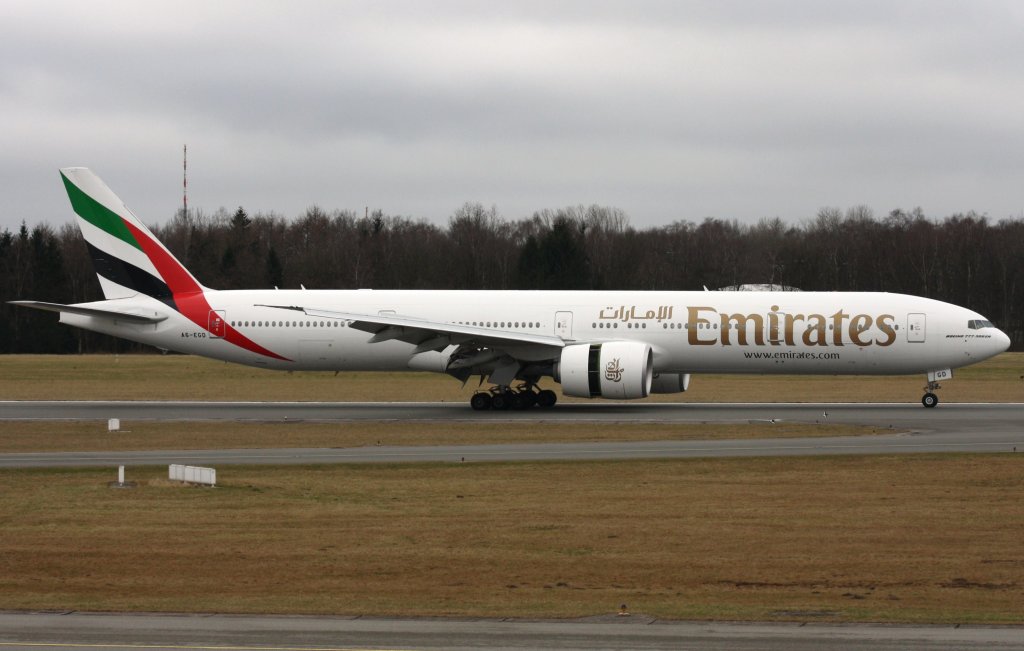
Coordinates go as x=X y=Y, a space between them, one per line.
x=966 y=259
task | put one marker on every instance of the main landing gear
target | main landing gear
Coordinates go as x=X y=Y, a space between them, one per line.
x=520 y=398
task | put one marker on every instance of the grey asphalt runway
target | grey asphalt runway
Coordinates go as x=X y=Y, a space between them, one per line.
x=24 y=632
x=949 y=428
x=962 y=416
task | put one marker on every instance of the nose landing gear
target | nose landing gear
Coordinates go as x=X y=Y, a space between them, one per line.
x=930 y=399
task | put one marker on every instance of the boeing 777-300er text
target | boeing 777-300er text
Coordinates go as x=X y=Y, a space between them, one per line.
x=596 y=344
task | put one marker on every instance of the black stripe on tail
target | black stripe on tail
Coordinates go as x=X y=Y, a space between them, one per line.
x=128 y=275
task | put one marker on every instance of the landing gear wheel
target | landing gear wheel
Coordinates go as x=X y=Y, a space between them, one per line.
x=501 y=401
x=546 y=399
x=930 y=400
x=480 y=401
x=519 y=401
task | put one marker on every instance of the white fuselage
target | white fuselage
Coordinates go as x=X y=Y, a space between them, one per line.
x=689 y=332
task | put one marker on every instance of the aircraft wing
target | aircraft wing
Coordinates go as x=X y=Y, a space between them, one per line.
x=429 y=335
x=102 y=313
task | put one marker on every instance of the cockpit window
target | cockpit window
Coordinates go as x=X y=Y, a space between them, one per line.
x=978 y=324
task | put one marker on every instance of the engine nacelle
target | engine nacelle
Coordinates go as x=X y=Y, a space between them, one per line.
x=670 y=383
x=435 y=361
x=620 y=370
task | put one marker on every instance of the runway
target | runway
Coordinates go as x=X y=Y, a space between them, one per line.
x=950 y=428
x=73 y=631
x=961 y=416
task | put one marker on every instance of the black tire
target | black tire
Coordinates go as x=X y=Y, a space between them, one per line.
x=501 y=401
x=480 y=401
x=519 y=401
x=930 y=400
x=546 y=399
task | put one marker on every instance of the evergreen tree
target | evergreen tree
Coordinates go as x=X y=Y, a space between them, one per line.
x=527 y=272
x=561 y=259
x=240 y=220
x=274 y=270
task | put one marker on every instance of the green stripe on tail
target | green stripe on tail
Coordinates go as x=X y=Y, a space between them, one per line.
x=97 y=214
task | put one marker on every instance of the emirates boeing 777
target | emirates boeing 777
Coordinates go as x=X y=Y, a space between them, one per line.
x=597 y=344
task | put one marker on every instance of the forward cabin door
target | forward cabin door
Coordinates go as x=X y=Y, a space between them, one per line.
x=563 y=325
x=777 y=330
x=915 y=328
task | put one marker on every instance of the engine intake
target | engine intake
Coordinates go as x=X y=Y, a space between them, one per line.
x=619 y=370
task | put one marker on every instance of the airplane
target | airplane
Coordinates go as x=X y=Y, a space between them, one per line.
x=619 y=345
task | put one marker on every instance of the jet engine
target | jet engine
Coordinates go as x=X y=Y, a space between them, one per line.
x=620 y=370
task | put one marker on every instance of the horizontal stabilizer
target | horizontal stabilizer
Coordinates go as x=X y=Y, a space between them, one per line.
x=92 y=311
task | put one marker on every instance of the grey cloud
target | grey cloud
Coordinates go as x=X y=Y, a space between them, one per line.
x=668 y=110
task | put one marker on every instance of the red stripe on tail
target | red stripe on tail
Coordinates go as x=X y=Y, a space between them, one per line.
x=188 y=294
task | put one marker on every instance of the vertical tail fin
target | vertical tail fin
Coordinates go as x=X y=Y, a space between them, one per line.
x=129 y=260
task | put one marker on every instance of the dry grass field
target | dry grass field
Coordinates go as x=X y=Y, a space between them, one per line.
x=83 y=436
x=920 y=538
x=177 y=377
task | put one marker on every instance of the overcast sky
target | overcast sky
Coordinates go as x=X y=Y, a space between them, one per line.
x=667 y=110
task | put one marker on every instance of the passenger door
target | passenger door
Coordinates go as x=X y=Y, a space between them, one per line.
x=216 y=324
x=563 y=325
x=916 y=327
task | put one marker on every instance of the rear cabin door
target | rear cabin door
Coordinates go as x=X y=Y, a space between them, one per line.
x=216 y=324
x=916 y=326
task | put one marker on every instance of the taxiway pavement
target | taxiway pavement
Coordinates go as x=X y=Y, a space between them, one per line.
x=73 y=631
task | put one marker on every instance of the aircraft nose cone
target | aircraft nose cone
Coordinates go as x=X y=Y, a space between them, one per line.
x=1002 y=342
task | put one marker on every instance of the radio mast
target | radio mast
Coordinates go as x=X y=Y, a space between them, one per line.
x=184 y=182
